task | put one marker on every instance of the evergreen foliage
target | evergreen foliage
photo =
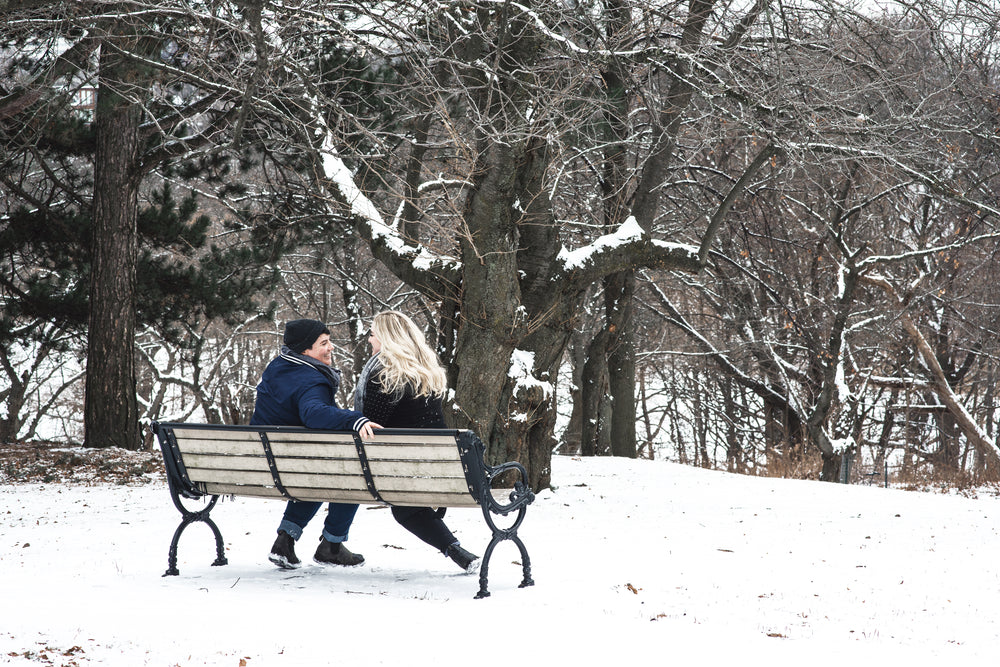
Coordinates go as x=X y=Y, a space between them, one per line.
x=182 y=275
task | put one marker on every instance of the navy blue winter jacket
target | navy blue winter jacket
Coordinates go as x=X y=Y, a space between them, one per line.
x=298 y=391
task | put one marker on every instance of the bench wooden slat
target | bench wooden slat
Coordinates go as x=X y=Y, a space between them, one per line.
x=213 y=462
x=308 y=437
x=220 y=435
x=246 y=477
x=315 y=481
x=323 y=466
x=315 y=450
x=320 y=496
x=315 y=495
x=377 y=452
x=285 y=465
x=414 y=499
x=417 y=469
x=251 y=478
x=421 y=484
x=199 y=445
x=410 y=499
x=397 y=439
x=216 y=489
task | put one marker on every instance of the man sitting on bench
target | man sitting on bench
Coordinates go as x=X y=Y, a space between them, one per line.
x=299 y=388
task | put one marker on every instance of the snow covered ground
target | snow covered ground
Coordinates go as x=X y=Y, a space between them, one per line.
x=637 y=561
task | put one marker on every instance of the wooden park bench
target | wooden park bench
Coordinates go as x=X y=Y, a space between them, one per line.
x=412 y=467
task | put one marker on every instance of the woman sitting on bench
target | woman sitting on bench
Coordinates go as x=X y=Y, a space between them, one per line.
x=401 y=386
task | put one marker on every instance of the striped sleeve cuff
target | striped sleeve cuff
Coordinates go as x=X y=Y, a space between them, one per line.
x=361 y=422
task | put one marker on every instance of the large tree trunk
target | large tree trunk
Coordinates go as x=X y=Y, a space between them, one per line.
x=486 y=335
x=595 y=437
x=513 y=292
x=574 y=429
x=619 y=292
x=14 y=396
x=111 y=415
x=619 y=288
x=529 y=406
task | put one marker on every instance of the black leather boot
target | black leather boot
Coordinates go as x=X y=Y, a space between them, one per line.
x=283 y=552
x=465 y=560
x=335 y=553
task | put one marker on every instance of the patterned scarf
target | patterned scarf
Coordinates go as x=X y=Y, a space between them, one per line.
x=370 y=366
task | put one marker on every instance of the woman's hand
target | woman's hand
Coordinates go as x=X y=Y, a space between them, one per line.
x=367 y=430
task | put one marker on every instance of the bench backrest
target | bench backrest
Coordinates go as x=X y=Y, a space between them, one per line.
x=416 y=467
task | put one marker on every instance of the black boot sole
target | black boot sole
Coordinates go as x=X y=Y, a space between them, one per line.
x=334 y=564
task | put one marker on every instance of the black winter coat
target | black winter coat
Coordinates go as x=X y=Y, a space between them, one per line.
x=406 y=411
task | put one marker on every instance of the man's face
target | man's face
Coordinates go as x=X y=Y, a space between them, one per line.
x=321 y=350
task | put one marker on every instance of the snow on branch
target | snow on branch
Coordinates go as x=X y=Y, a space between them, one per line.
x=413 y=263
x=554 y=35
x=522 y=363
x=932 y=250
x=629 y=237
x=549 y=32
x=367 y=217
x=629 y=232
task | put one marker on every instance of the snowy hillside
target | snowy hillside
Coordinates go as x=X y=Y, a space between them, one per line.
x=650 y=562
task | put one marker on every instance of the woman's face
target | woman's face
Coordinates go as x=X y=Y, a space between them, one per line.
x=374 y=342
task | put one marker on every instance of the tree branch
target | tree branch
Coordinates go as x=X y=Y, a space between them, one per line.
x=627 y=248
x=727 y=202
x=71 y=60
x=976 y=436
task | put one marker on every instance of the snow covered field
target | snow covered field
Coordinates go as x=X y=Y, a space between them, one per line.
x=634 y=562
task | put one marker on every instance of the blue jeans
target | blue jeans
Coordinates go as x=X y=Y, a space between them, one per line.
x=335 y=528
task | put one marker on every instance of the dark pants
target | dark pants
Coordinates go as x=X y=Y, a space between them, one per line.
x=335 y=528
x=426 y=524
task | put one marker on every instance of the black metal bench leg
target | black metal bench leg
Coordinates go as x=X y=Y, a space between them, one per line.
x=187 y=518
x=501 y=534
x=172 y=570
x=525 y=562
x=220 y=548
x=484 y=568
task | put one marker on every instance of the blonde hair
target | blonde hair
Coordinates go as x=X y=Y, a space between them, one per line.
x=406 y=357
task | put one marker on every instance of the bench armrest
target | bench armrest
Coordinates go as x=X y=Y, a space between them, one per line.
x=520 y=496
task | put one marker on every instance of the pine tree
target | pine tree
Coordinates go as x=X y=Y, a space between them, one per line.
x=80 y=251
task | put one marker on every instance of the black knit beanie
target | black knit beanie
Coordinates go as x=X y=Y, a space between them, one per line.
x=301 y=334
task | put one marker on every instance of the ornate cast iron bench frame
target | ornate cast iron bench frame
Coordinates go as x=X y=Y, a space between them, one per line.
x=415 y=467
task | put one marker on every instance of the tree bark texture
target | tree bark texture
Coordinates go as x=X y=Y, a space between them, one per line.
x=619 y=291
x=486 y=335
x=111 y=416
x=596 y=433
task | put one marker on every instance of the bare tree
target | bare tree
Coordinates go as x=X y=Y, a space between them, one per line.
x=859 y=158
